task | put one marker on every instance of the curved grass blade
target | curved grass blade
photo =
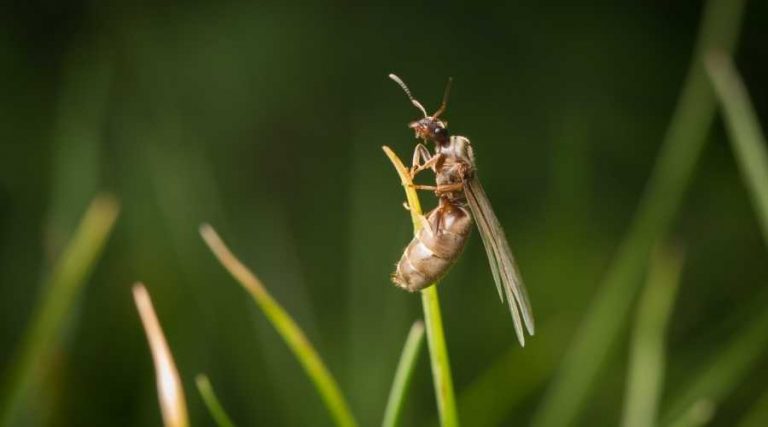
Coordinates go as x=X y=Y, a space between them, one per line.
x=647 y=349
x=744 y=129
x=404 y=373
x=288 y=329
x=438 y=350
x=573 y=384
x=212 y=402
x=170 y=392
x=69 y=275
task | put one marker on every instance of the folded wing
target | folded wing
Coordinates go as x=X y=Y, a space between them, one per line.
x=503 y=267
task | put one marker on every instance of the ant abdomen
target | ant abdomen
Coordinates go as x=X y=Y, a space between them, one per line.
x=435 y=248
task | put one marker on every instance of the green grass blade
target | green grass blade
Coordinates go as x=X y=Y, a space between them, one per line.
x=403 y=375
x=170 y=391
x=441 y=367
x=744 y=130
x=438 y=350
x=288 y=329
x=680 y=150
x=726 y=370
x=646 y=360
x=67 y=279
x=212 y=402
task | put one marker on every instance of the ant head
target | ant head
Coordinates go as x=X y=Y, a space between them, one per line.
x=430 y=128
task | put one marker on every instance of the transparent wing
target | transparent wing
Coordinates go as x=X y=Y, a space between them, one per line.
x=503 y=267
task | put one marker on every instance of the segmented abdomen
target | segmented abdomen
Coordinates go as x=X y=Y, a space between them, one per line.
x=429 y=255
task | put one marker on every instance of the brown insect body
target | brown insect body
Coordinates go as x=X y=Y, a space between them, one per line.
x=434 y=249
x=446 y=228
x=442 y=238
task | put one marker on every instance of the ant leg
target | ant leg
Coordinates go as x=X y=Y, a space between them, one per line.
x=429 y=164
x=419 y=153
x=424 y=187
x=446 y=188
x=422 y=160
x=449 y=188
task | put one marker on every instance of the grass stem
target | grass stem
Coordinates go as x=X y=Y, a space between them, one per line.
x=288 y=329
x=744 y=130
x=58 y=295
x=217 y=411
x=403 y=375
x=170 y=391
x=438 y=351
x=647 y=350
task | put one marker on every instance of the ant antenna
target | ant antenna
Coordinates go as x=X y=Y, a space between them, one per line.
x=416 y=103
x=441 y=110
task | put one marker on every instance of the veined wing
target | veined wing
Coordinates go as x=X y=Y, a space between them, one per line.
x=503 y=267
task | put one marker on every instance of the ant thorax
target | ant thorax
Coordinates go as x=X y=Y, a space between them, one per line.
x=458 y=149
x=458 y=162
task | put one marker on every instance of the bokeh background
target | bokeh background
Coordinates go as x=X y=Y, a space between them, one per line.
x=266 y=119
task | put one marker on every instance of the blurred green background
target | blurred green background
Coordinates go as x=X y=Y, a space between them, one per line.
x=266 y=119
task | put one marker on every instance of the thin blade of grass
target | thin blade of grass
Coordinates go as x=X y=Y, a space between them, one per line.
x=441 y=366
x=726 y=370
x=170 y=392
x=403 y=374
x=288 y=329
x=647 y=350
x=59 y=294
x=744 y=130
x=212 y=402
x=573 y=384
x=438 y=350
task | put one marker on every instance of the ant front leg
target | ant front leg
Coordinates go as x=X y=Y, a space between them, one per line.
x=420 y=153
x=422 y=160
